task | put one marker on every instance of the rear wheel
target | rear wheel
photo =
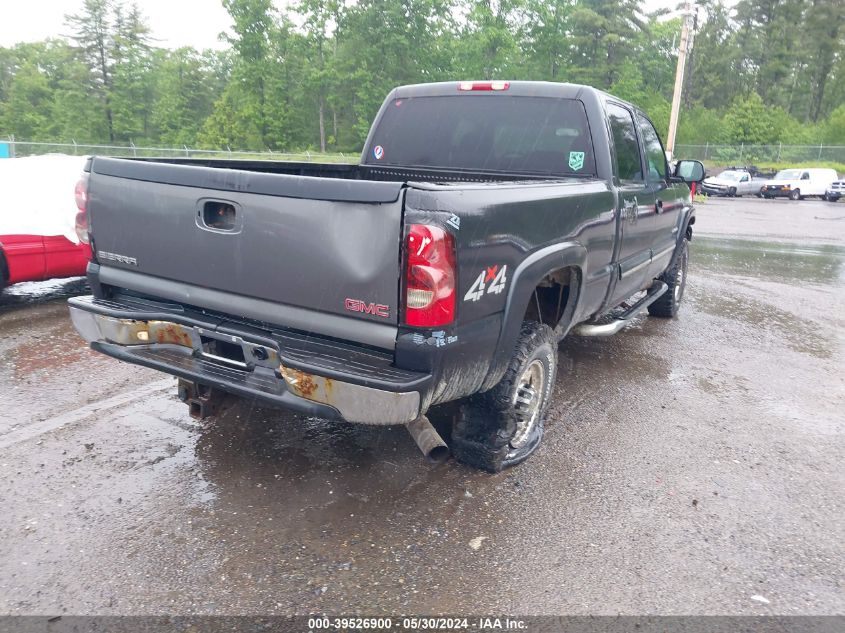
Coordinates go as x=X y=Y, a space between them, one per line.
x=676 y=278
x=504 y=426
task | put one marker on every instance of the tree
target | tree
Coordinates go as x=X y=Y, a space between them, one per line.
x=487 y=46
x=312 y=74
x=749 y=121
x=112 y=41
x=184 y=91
x=28 y=103
x=602 y=32
x=547 y=25
x=240 y=114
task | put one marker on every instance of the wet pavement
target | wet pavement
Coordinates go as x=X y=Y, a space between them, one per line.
x=688 y=466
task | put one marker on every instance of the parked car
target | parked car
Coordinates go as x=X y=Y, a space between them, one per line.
x=485 y=222
x=40 y=257
x=731 y=182
x=797 y=184
x=835 y=191
x=37 y=236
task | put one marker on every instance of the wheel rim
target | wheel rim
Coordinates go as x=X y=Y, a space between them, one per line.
x=527 y=402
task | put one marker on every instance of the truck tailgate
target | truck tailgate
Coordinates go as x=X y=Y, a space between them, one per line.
x=329 y=246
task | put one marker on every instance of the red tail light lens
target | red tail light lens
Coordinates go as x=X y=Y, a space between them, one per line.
x=81 y=195
x=429 y=276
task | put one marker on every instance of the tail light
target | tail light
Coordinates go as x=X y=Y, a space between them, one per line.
x=81 y=194
x=429 y=276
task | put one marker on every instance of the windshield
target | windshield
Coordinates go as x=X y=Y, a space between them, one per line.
x=789 y=174
x=731 y=175
x=534 y=135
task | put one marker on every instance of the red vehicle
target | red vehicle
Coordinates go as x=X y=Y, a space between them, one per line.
x=38 y=239
x=37 y=257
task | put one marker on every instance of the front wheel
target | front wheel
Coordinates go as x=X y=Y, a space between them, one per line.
x=732 y=192
x=676 y=278
x=795 y=194
x=504 y=426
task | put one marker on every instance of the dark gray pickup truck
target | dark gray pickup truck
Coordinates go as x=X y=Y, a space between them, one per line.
x=484 y=222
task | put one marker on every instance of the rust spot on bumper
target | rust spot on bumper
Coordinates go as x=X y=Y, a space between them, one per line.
x=170 y=333
x=308 y=386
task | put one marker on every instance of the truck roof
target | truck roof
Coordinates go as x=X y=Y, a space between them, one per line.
x=514 y=88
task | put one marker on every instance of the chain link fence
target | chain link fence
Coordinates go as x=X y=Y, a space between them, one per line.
x=709 y=153
x=745 y=154
x=15 y=148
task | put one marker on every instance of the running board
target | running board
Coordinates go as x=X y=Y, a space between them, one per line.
x=607 y=329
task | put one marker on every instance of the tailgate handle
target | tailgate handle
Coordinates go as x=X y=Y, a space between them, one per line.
x=219 y=215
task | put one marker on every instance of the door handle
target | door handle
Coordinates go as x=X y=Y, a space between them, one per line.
x=219 y=216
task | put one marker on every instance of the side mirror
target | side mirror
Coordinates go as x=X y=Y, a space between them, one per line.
x=689 y=171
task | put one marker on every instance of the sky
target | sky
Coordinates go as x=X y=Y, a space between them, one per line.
x=174 y=23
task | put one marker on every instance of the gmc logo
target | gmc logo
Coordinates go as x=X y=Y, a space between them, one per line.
x=355 y=305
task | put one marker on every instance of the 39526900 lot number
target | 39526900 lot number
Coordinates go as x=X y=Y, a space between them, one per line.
x=333 y=624
x=385 y=624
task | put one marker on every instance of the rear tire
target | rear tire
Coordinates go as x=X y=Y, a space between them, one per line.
x=676 y=278
x=504 y=426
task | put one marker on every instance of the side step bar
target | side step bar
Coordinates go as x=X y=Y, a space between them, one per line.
x=607 y=329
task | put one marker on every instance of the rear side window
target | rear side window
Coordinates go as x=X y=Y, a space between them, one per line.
x=499 y=133
x=628 y=165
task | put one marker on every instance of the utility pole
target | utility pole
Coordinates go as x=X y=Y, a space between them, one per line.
x=683 y=49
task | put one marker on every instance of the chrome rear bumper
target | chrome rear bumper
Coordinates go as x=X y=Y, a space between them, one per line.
x=176 y=346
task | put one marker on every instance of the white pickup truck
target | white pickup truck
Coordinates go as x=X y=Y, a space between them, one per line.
x=835 y=191
x=731 y=182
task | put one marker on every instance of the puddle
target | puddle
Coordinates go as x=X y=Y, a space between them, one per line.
x=774 y=261
x=799 y=334
x=38 y=292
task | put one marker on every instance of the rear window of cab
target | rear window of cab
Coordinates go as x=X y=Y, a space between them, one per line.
x=484 y=132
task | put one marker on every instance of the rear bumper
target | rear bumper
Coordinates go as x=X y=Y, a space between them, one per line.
x=295 y=372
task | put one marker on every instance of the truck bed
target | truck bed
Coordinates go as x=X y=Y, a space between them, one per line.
x=342 y=171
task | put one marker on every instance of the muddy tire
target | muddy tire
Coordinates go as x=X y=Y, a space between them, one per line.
x=504 y=426
x=676 y=278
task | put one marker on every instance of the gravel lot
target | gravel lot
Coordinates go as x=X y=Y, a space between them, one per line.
x=691 y=466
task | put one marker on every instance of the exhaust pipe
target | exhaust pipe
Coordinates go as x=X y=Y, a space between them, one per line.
x=429 y=440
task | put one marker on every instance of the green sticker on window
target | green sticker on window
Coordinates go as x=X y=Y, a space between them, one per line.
x=576 y=160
